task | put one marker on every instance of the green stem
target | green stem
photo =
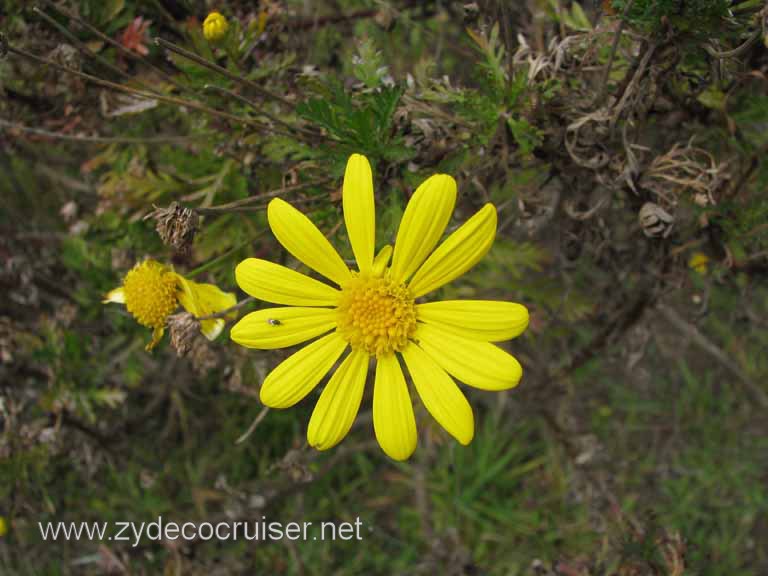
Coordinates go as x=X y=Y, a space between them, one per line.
x=218 y=259
x=223 y=71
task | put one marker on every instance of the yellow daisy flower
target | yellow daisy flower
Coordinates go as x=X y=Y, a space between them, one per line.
x=215 y=26
x=374 y=312
x=152 y=291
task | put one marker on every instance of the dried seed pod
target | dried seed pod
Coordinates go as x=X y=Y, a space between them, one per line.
x=184 y=330
x=655 y=221
x=176 y=225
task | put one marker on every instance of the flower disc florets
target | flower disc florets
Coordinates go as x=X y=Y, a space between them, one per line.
x=150 y=293
x=376 y=314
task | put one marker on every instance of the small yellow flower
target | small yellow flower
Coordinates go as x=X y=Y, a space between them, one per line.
x=3 y=526
x=373 y=312
x=152 y=291
x=215 y=26
x=698 y=262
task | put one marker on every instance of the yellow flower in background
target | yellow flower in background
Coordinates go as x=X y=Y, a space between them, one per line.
x=3 y=527
x=698 y=262
x=215 y=26
x=152 y=291
x=374 y=313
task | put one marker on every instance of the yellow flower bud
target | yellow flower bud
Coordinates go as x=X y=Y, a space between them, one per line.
x=215 y=27
x=698 y=262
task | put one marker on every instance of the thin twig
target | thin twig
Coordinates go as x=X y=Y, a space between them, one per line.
x=139 y=93
x=255 y=208
x=221 y=257
x=87 y=51
x=331 y=19
x=611 y=58
x=295 y=130
x=262 y=414
x=738 y=51
x=639 y=72
x=115 y=44
x=223 y=71
x=101 y=139
x=713 y=350
x=239 y=205
x=226 y=312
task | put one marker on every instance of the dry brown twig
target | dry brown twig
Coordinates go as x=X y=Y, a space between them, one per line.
x=98 y=139
x=256 y=421
x=714 y=351
x=228 y=311
x=614 y=47
x=685 y=170
x=577 y=140
x=222 y=71
x=115 y=44
x=138 y=93
x=246 y=203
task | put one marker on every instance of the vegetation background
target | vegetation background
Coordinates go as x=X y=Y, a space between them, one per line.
x=623 y=145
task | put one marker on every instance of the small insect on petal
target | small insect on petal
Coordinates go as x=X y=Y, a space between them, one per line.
x=273 y=322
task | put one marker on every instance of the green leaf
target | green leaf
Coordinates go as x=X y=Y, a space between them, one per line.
x=110 y=9
x=577 y=19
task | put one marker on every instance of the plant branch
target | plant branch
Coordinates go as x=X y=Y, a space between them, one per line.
x=261 y=415
x=139 y=93
x=238 y=205
x=227 y=311
x=85 y=50
x=294 y=130
x=100 y=139
x=713 y=350
x=614 y=47
x=115 y=44
x=223 y=71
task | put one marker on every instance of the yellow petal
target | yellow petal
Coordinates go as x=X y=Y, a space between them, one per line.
x=440 y=394
x=274 y=283
x=297 y=375
x=487 y=320
x=423 y=223
x=338 y=404
x=381 y=260
x=117 y=296
x=460 y=251
x=359 y=210
x=302 y=239
x=157 y=335
x=479 y=364
x=281 y=327
x=393 y=419
x=204 y=300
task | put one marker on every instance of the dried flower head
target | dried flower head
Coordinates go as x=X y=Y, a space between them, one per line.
x=184 y=328
x=176 y=225
x=655 y=221
x=152 y=291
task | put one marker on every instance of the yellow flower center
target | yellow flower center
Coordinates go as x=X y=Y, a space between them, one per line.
x=376 y=314
x=150 y=293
